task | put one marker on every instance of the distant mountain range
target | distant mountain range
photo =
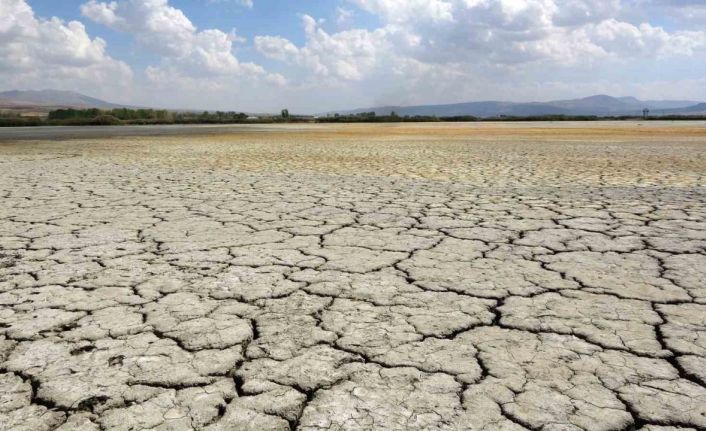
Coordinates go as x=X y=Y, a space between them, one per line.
x=51 y=99
x=600 y=105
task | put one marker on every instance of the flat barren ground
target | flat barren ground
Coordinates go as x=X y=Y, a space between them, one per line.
x=514 y=276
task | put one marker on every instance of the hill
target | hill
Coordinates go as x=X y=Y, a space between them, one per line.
x=698 y=109
x=600 y=105
x=16 y=99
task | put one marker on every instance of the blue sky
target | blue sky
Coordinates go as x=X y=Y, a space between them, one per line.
x=318 y=55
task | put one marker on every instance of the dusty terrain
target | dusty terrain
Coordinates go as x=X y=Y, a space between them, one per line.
x=393 y=277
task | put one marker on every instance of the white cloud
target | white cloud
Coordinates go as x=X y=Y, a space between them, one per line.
x=276 y=47
x=405 y=11
x=480 y=34
x=103 y=13
x=578 y=12
x=185 y=52
x=53 y=53
x=347 y=55
x=153 y=23
x=625 y=39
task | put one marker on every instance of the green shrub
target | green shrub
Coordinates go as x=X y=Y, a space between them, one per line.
x=105 y=120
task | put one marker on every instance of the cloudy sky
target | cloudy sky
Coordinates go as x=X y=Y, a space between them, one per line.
x=317 y=55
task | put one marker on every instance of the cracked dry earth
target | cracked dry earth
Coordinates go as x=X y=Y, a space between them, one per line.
x=439 y=277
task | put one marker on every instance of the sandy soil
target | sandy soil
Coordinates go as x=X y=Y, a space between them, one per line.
x=494 y=276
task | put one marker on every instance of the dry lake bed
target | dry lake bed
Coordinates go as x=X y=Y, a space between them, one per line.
x=509 y=276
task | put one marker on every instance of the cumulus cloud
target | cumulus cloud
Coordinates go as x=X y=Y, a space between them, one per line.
x=479 y=34
x=578 y=12
x=54 y=53
x=406 y=11
x=185 y=52
x=630 y=40
x=511 y=31
x=276 y=47
x=347 y=55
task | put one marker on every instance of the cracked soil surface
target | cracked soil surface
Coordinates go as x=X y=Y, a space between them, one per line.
x=391 y=277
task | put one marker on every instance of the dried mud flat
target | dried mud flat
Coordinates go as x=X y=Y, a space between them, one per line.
x=395 y=277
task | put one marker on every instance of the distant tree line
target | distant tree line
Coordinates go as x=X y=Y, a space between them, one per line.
x=118 y=116
x=142 y=116
x=92 y=116
x=372 y=117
